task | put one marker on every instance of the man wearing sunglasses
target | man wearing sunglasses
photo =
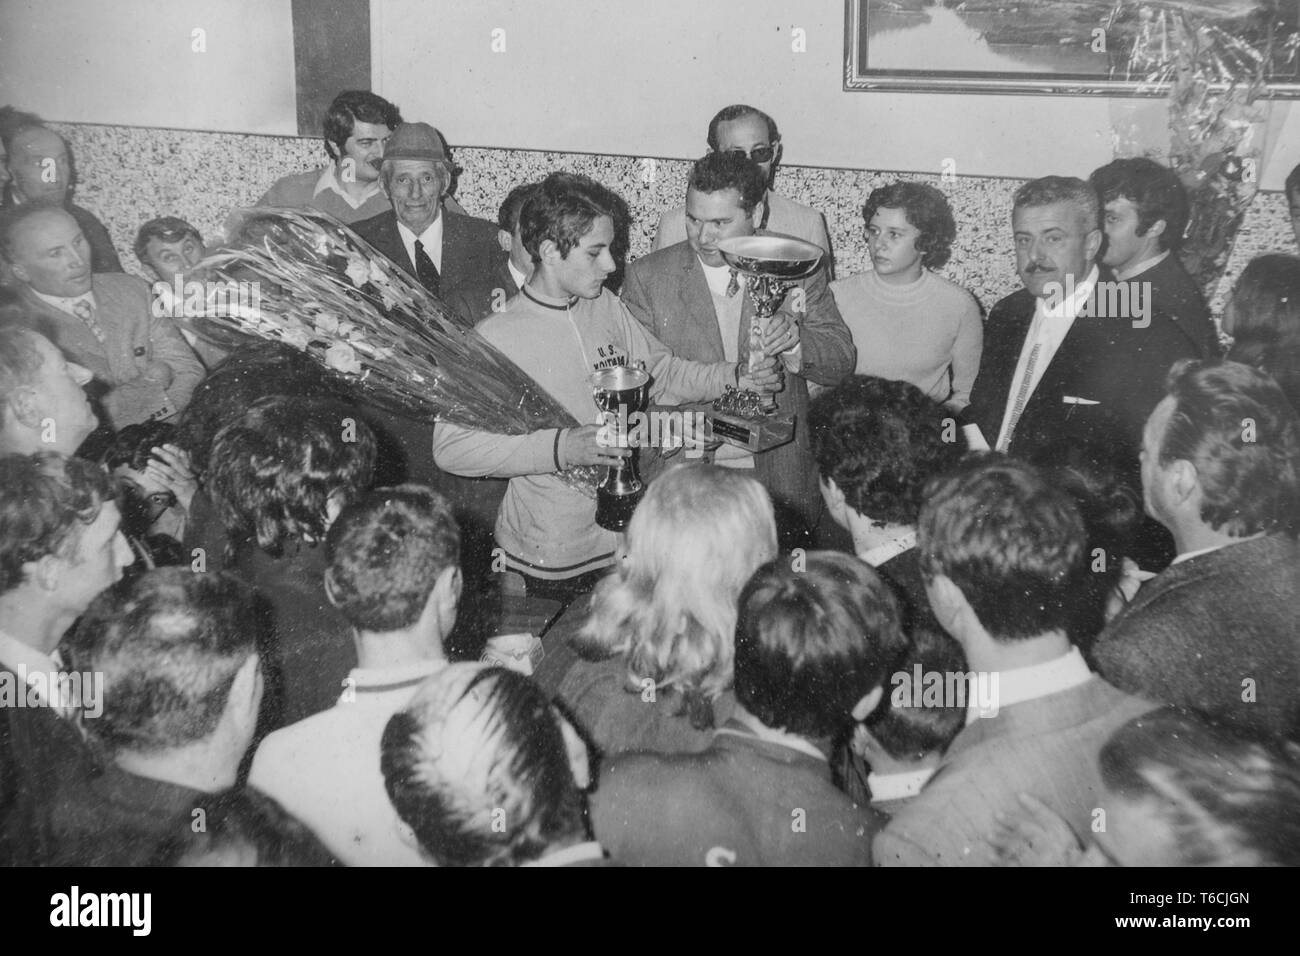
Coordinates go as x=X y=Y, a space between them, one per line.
x=751 y=132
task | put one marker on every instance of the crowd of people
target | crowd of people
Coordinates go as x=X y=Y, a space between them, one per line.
x=1022 y=590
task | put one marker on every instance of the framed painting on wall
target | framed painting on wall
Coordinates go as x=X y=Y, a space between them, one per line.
x=1074 y=47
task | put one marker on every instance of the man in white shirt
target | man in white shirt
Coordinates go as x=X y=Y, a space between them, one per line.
x=752 y=133
x=394 y=574
x=1002 y=552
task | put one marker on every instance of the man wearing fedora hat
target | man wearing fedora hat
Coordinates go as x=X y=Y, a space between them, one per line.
x=456 y=257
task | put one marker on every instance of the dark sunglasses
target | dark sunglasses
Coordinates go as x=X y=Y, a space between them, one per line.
x=763 y=153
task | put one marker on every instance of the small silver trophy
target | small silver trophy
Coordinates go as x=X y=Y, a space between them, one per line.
x=620 y=393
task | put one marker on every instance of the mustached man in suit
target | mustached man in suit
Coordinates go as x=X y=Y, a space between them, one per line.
x=446 y=251
x=1002 y=551
x=1219 y=630
x=694 y=303
x=103 y=321
x=1065 y=356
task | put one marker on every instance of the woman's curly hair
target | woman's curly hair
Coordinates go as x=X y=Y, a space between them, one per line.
x=927 y=209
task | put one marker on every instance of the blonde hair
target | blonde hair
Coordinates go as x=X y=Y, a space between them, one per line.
x=670 y=607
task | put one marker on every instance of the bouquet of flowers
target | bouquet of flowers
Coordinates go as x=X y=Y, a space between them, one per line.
x=323 y=289
x=1216 y=122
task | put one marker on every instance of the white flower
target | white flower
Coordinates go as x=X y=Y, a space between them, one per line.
x=296 y=336
x=377 y=275
x=345 y=328
x=359 y=269
x=327 y=323
x=343 y=357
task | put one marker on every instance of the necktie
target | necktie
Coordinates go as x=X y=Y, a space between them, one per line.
x=734 y=285
x=1022 y=396
x=425 y=270
x=86 y=312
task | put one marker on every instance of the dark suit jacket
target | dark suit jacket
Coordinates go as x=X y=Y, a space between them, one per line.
x=669 y=295
x=1046 y=747
x=135 y=336
x=1103 y=359
x=473 y=264
x=1198 y=631
x=1175 y=294
x=42 y=758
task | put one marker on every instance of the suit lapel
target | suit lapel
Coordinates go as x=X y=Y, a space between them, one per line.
x=453 y=249
x=697 y=304
x=72 y=336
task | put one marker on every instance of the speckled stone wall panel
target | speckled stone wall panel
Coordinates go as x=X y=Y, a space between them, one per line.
x=127 y=175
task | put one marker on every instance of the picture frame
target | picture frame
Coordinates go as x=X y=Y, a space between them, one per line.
x=1066 y=47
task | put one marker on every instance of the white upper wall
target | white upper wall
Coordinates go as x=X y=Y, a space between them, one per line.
x=135 y=63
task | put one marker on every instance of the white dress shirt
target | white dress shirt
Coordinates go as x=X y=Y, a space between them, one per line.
x=898 y=786
x=431 y=238
x=67 y=303
x=1141 y=267
x=329 y=182
x=1048 y=330
x=1037 y=680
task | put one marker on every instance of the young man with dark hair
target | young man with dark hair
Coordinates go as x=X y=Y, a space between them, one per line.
x=692 y=301
x=43 y=403
x=357 y=125
x=1002 y=551
x=170 y=248
x=1218 y=630
x=178 y=651
x=564 y=326
x=40 y=172
x=1144 y=215
x=877 y=444
x=60 y=545
x=750 y=132
x=508 y=235
x=814 y=648
x=105 y=322
x=393 y=574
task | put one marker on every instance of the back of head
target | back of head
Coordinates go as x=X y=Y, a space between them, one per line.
x=252 y=372
x=513 y=205
x=1266 y=302
x=1112 y=513
x=274 y=471
x=1236 y=427
x=905 y=725
x=739 y=111
x=351 y=107
x=1153 y=189
x=1229 y=798
x=1050 y=190
x=169 y=644
x=1010 y=541
x=386 y=552
x=715 y=172
x=880 y=442
x=242 y=827
x=46 y=501
x=562 y=210
x=478 y=767
x=20 y=359
x=811 y=643
x=670 y=606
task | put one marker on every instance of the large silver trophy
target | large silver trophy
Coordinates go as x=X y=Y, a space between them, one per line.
x=620 y=393
x=771 y=264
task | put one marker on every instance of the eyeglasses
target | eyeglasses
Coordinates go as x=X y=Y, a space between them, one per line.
x=762 y=153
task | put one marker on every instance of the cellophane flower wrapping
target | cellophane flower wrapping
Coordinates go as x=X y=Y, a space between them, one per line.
x=321 y=288
x=1217 y=120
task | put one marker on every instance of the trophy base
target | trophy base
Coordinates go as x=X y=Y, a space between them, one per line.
x=754 y=435
x=613 y=512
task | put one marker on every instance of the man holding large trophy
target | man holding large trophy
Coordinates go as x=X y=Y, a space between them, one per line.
x=730 y=293
x=579 y=342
